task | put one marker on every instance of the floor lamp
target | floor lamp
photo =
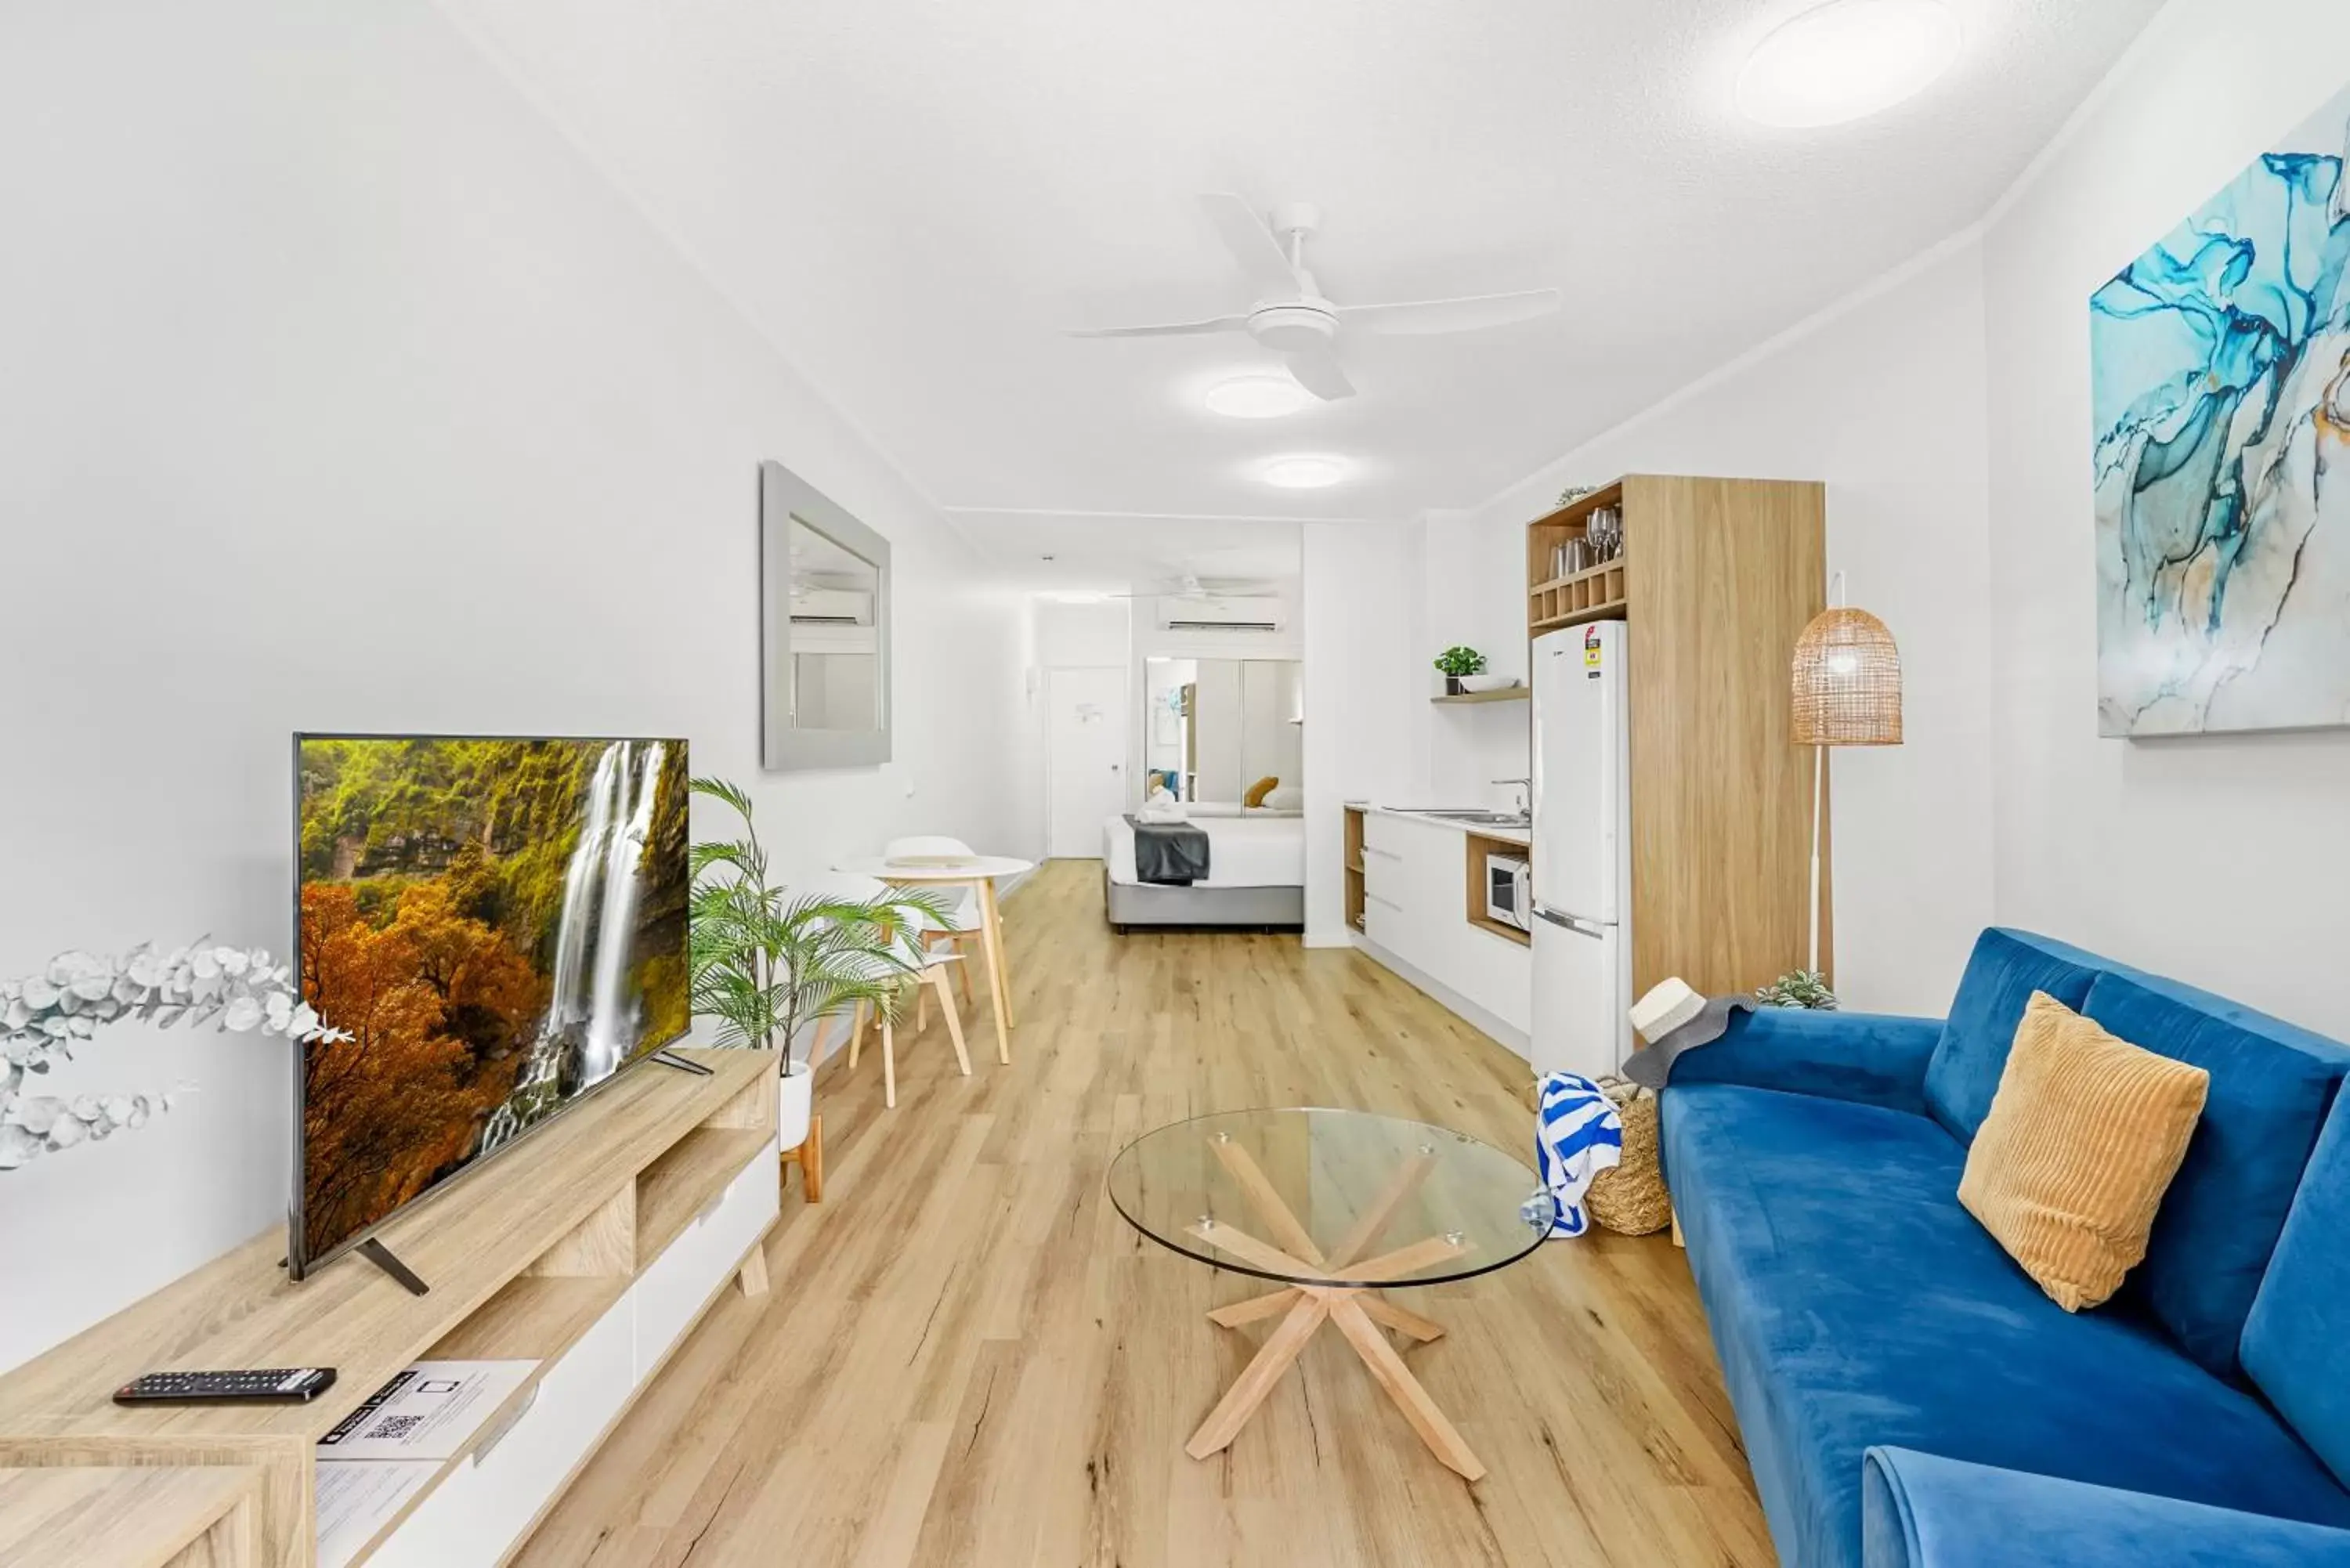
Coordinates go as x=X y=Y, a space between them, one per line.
x=1848 y=691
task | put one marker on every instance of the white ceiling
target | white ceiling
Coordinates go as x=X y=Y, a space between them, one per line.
x=913 y=197
x=1092 y=554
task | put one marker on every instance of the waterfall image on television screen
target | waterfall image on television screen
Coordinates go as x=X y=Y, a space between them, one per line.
x=499 y=925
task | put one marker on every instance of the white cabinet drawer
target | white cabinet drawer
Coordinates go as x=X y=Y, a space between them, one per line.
x=486 y=1501
x=1383 y=921
x=672 y=1288
x=1384 y=837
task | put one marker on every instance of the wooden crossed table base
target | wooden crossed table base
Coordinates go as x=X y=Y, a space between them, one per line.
x=1348 y=1300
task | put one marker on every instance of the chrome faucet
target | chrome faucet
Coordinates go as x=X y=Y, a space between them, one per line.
x=1524 y=785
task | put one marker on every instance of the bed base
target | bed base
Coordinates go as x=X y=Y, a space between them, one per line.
x=1128 y=904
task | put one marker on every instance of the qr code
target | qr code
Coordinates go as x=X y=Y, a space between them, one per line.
x=395 y=1427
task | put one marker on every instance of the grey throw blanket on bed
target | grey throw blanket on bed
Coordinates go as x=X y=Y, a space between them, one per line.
x=1172 y=853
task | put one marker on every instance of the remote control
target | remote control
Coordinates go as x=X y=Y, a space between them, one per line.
x=262 y=1385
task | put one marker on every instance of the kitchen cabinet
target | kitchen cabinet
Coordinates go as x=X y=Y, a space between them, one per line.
x=1414 y=870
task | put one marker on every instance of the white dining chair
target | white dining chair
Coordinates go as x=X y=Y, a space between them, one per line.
x=923 y=964
x=964 y=919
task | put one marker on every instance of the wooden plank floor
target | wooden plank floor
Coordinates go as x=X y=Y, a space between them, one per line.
x=968 y=1360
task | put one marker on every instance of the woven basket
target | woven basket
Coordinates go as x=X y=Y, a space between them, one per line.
x=1630 y=1199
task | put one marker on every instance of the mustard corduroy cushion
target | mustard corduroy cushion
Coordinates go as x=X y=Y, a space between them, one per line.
x=1258 y=791
x=2082 y=1140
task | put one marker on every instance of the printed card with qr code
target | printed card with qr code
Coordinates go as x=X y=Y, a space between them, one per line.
x=428 y=1411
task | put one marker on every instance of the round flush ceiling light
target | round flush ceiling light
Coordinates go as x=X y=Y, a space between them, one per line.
x=1304 y=472
x=1846 y=60
x=1258 y=398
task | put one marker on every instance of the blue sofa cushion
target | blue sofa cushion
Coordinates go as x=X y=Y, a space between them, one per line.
x=1920 y=1510
x=2295 y=1346
x=2006 y=967
x=2271 y=1086
x=1855 y=1304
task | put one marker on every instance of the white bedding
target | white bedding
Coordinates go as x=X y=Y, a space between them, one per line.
x=1252 y=851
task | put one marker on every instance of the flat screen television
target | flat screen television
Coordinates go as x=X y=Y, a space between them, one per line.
x=499 y=925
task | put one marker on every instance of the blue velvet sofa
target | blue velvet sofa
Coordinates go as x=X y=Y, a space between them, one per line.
x=1908 y=1397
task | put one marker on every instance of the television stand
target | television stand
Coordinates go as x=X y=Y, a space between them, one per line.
x=382 y=1257
x=670 y=1059
x=591 y=1247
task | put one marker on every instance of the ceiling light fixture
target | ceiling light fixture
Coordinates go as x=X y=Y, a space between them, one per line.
x=1258 y=398
x=1304 y=472
x=1846 y=60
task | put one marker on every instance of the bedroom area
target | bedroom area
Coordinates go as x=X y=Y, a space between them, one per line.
x=1169 y=682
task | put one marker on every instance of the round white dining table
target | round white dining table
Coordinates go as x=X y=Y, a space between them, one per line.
x=979 y=871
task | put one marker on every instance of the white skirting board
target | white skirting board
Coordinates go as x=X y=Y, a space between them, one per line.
x=1460 y=1005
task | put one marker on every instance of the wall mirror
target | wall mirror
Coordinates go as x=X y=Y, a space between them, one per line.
x=1215 y=730
x=824 y=655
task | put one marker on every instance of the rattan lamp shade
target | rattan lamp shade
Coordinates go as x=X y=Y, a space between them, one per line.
x=1847 y=682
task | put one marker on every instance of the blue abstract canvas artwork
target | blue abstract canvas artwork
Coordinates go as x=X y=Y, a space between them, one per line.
x=2220 y=382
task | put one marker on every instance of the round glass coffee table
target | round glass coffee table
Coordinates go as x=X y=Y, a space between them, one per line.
x=1332 y=1207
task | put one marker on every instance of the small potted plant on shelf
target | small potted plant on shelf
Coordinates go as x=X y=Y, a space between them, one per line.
x=763 y=963
x=1457 y=661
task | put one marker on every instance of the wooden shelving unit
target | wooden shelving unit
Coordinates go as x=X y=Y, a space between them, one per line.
x=1353 y=864
x=524 y=1258
x=1715 y=581
x=1597 y=593
x=1479 y=847
x=1506 y=694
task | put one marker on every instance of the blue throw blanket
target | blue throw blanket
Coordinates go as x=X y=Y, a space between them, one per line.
x=1577 y=1135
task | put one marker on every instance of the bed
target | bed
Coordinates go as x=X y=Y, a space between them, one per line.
x=1256 y=873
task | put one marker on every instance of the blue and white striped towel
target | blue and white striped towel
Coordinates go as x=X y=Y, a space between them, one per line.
x=1577 y=1135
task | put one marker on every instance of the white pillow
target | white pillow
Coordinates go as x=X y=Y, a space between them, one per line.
x=1288 y=797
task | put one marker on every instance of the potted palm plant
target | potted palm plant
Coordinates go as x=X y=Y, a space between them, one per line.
x=763 y=963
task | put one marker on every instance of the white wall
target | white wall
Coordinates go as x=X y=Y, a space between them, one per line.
x=1364 y=713
x=341 y=394
x=2221 y=860
x=1081 y=632
x=1881 y=400
x=1948 y=410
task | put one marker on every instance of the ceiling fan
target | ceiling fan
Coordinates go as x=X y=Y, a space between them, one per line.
x=1291 y=316
x=1191 y=586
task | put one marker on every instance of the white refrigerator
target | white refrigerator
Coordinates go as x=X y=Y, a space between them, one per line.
x=1582 y=851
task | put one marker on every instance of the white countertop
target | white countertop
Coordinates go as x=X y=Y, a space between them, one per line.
x=1483 y=830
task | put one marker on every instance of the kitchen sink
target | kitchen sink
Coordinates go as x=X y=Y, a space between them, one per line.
x=1478 y=818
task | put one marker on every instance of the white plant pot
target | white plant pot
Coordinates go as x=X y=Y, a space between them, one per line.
x=796 y=1091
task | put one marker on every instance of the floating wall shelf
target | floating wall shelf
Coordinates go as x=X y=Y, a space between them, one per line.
x=1506 y=694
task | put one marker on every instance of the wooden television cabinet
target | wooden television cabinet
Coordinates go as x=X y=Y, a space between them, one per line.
x=591 y=1246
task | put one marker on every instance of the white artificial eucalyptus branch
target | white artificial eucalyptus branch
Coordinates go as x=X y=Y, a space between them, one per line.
x=44 y=1017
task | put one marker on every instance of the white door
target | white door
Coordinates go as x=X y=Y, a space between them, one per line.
x=1578 y=996
x=1084 y=738
x=1580 y=755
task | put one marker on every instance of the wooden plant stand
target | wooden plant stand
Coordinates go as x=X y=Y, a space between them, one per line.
x=809 y=1158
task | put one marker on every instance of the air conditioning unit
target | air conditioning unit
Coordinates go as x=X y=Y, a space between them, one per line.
x=831 y=606
x=1206 y=612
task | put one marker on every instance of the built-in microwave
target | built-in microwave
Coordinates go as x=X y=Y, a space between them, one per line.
x=1509 y=891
